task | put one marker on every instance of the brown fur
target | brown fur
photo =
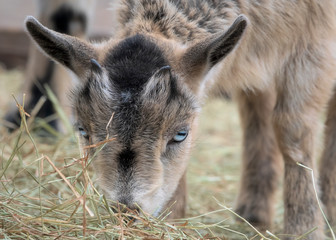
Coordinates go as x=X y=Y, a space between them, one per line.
x=327 y=164
x=261 y=158
x=282 y=58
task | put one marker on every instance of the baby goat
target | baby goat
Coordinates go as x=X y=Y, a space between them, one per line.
x=277 y=56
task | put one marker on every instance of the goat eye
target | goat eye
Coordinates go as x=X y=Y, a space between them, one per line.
x=83 y=133
x=180 y=136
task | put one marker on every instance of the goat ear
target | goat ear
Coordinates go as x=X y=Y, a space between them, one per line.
x=225 y=43
x=201 y=57
x=158 y=85
x=73 y=53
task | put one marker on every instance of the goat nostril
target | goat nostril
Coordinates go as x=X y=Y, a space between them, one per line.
x=127 y=208
x=131 y=213
x=135 y=209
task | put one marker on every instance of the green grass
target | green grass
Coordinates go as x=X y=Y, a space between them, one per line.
x=48 y=188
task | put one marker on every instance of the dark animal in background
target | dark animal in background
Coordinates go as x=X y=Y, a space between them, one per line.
x=64 y=16
x=278 y=59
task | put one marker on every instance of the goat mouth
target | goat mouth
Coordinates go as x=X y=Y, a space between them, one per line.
x=129 y=213
x=133 y=213
x=126 y=208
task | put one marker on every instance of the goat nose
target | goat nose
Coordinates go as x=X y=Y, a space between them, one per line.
x=127 y=207
x=131 y=211
x=134 y=209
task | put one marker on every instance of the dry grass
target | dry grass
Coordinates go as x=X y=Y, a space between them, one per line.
x=48 y=189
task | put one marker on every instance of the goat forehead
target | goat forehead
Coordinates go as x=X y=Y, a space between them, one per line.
x=131 y=63
x=129 y=107
x=138 y=116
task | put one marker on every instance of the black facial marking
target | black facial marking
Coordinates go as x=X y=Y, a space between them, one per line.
x=174 y=92
x=64 y=16
x=133 y=61
x=86 y=93
x=126 y=159
x=125 y=200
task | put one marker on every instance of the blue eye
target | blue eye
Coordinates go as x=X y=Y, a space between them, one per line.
x=83 y=133
x=180 y=136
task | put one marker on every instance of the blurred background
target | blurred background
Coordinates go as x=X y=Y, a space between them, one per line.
x=14 y=42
